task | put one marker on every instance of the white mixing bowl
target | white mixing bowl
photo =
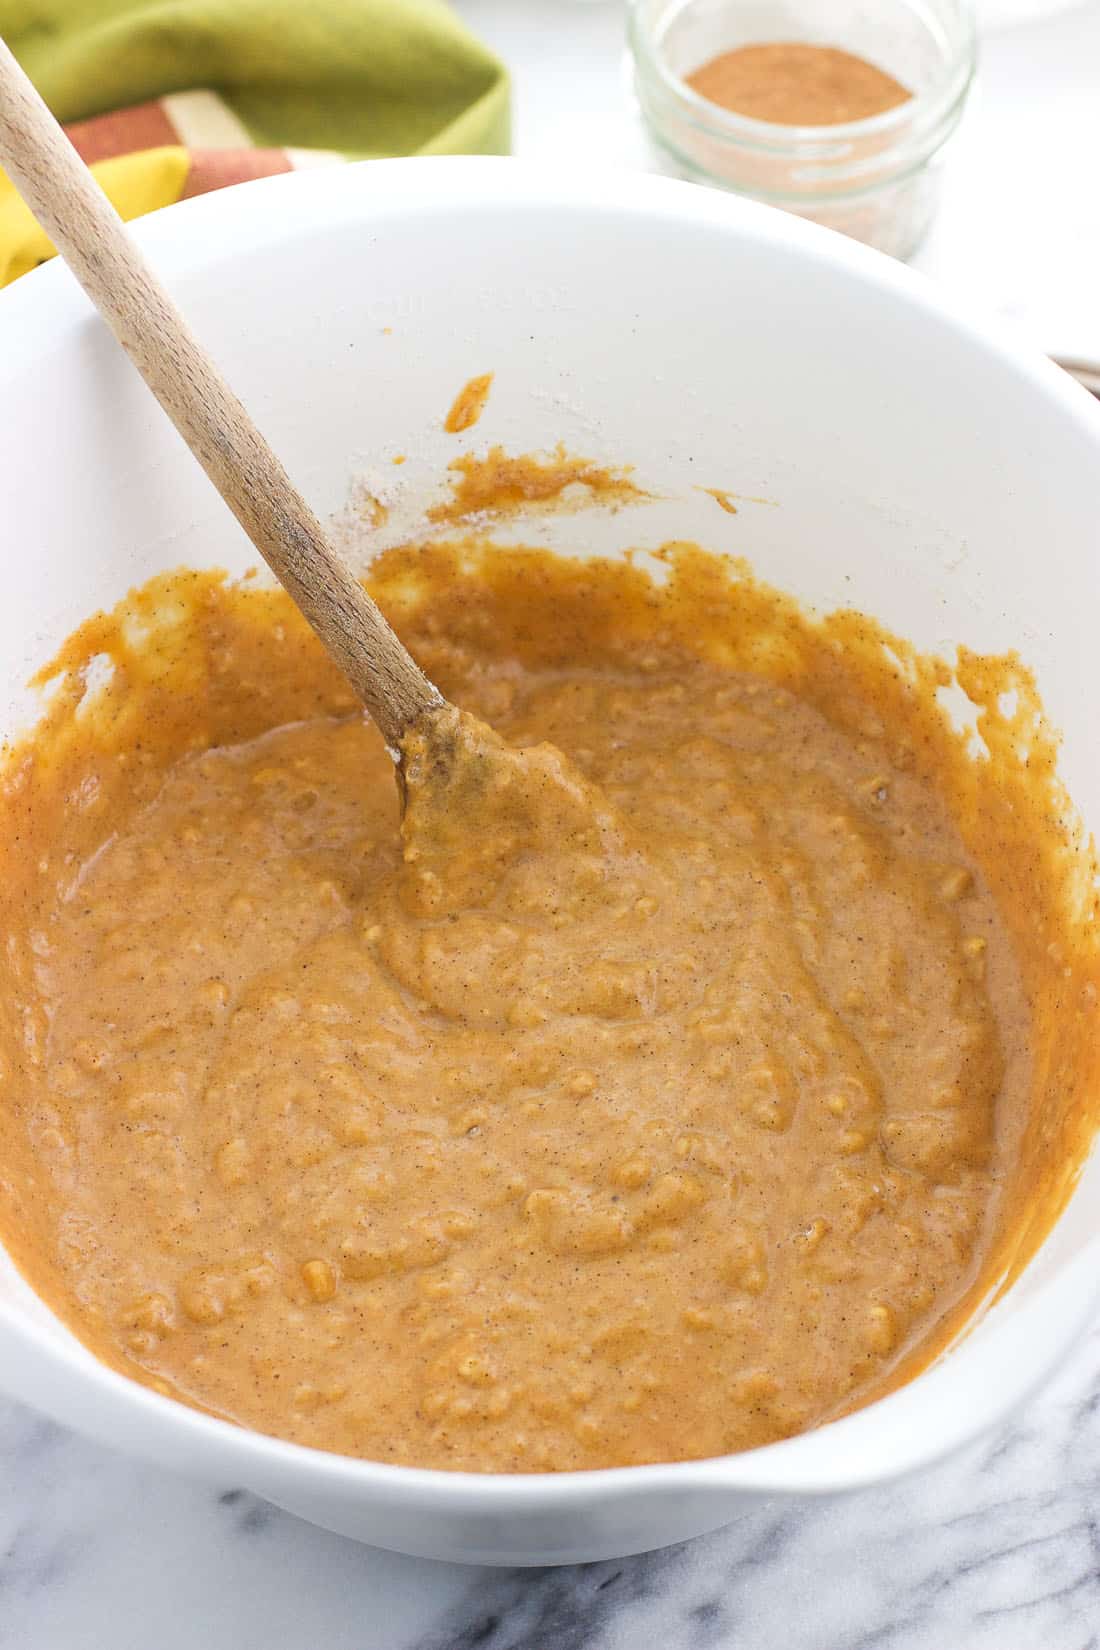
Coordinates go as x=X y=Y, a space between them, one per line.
x=918 y=466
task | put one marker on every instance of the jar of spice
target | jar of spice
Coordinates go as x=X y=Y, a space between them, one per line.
x=838 y=110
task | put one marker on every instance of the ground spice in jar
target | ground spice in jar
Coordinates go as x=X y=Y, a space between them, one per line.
x=798 y=84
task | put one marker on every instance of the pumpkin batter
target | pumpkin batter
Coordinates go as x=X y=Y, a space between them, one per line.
x=660 y=1089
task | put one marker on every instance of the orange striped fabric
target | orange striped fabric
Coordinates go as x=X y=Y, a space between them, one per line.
x=218 y=145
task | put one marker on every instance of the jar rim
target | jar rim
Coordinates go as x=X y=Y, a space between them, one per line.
x=931 y=108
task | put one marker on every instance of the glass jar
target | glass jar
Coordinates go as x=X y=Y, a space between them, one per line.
x=876 y=179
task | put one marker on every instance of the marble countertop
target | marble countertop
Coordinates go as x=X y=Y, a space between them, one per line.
x=998 y=1549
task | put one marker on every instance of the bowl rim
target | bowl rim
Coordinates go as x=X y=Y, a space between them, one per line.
x=41 y=311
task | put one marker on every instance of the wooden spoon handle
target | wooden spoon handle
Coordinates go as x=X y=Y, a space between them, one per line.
x=89 y=234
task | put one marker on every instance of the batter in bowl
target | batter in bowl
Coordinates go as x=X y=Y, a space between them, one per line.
x=679 y=1095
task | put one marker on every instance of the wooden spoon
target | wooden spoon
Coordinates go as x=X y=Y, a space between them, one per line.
x=90 y=236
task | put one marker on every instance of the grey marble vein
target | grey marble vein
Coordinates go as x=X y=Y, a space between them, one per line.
x=997 y=1549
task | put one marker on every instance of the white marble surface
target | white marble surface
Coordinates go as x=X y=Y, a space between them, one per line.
x=996 y=1550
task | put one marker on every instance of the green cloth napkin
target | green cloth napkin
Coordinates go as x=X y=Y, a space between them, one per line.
x=367 y=77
